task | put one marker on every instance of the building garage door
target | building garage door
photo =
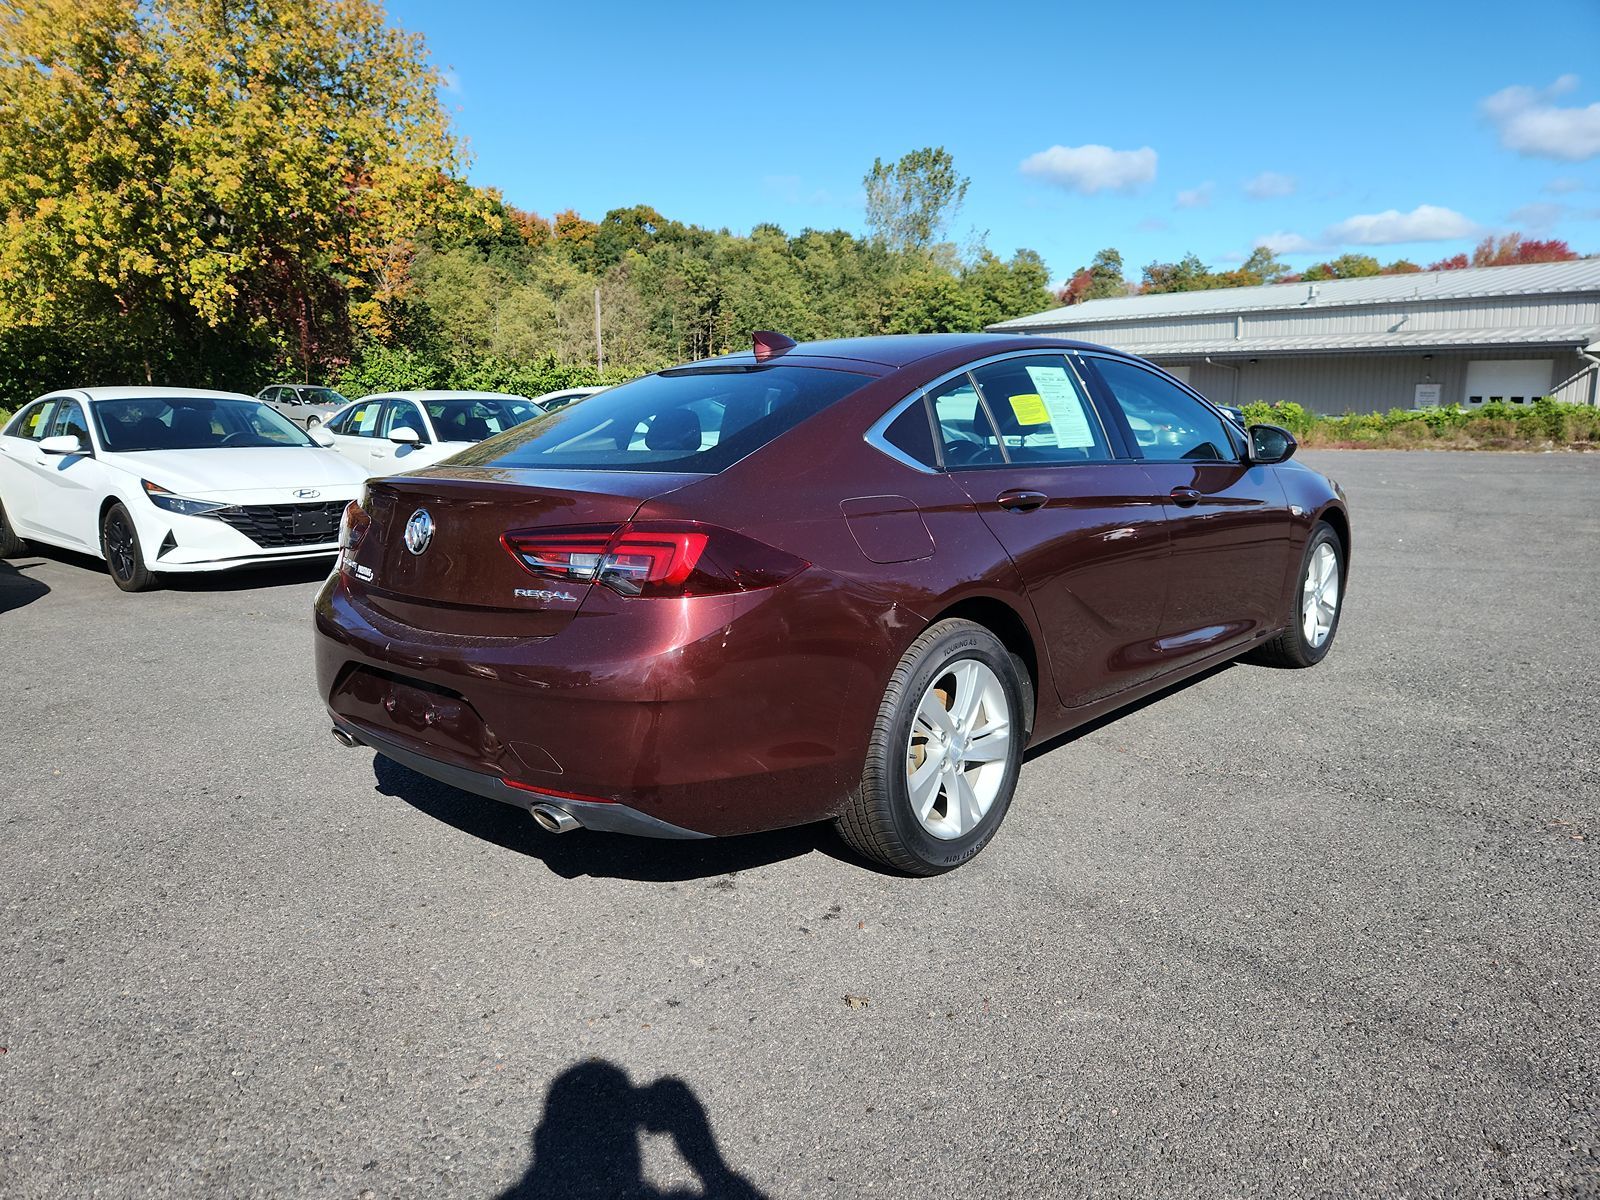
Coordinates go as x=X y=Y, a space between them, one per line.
x=1508 y=380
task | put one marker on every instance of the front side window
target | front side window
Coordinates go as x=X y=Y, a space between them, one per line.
x=191 y=423
x=696 y=419
x=69 y=422
x=30 y=423
x=966 y=434
x=403 y=414
x=1168 y=424
x=1043 y=414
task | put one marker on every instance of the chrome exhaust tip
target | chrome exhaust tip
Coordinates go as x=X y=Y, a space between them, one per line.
x=345 y=738
x=554 y=820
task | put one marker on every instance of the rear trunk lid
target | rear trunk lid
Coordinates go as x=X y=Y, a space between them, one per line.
x=459 y=579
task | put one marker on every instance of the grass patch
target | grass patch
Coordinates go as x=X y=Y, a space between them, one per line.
x=1543 y=425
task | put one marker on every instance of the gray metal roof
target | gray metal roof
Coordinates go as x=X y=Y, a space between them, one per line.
x=1534 y=279
x=1422 y=339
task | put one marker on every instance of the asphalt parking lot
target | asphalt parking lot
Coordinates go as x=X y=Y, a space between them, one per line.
x=1277 y=933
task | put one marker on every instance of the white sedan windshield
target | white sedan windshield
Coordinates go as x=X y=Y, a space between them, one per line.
x=201 y=423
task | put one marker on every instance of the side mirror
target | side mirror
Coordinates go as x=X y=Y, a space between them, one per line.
x=1236 y=413
x=66 y=443
x=320 y=436
x=1271 y=444
x=404 y=436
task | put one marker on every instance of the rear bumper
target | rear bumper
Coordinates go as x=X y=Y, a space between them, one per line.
x=713 y=716
x=606 y=818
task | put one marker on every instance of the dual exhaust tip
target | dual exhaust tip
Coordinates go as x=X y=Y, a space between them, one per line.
x=546 y=816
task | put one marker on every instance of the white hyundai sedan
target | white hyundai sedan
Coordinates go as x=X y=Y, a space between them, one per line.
x=406 y=431
x=155 y=479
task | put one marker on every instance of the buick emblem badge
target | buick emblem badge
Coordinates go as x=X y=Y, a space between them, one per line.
x=419 y=531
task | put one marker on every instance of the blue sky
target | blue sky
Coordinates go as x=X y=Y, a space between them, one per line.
x=1396 y=129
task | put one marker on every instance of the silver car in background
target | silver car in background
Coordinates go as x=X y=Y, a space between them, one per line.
x=306 y=404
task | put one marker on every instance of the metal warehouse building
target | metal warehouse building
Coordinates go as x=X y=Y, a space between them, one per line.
x=1364 y=345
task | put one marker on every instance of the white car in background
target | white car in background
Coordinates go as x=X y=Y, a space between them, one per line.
x=391 y=432
x=555 y=401
x=155 y=479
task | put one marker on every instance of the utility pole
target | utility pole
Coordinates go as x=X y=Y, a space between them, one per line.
x=599 y=346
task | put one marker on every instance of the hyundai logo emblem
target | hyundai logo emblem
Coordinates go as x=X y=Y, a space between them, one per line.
x=419 y=531
x=307 y=494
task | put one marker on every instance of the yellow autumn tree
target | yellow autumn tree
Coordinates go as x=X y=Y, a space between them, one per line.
x=196 y=173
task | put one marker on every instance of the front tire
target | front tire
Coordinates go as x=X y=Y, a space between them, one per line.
x=945 y=753
x=11 y=545
x=1314 y=608
x=119 y=544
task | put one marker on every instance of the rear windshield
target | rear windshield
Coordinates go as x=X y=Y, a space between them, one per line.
x=472 y=420
x=699 y=420
x=154 y=423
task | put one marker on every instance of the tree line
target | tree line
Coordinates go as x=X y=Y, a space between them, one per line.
x=226 y=194
x=1103 y=278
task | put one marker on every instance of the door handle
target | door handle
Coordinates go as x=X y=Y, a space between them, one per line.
x=1019 y=500
x=1185 y=497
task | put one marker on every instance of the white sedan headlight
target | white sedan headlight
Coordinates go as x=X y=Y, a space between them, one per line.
x=161 y=498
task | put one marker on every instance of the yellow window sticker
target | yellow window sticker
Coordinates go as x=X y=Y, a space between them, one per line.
x=1029 y=409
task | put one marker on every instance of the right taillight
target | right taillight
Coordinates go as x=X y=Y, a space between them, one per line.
x=654 y=558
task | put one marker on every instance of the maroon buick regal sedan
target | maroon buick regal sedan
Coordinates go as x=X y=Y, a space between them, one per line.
x=844 y=580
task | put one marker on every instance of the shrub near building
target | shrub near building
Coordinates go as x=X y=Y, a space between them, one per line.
x=1495 y=426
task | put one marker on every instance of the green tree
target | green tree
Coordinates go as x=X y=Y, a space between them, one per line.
x=184 y=172
x=1262 y=267
x=910 y=203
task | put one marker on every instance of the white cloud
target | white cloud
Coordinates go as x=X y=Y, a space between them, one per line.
x=1090 y=169
x=1425 y=223
x=1529 y=123
x=1283 y=242
x=1538 y=217
x=1197 y=197
x=1565 y=186
x=449 y=81
x=1270 y=185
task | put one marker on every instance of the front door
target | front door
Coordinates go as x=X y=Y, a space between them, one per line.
x=1229 y=519
x=1084 y=529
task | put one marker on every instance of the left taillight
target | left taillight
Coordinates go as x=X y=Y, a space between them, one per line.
x=353 y=526
x=658 y=559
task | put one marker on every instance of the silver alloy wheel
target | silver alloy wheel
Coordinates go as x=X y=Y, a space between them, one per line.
x=959 y=748
x=1319 y=596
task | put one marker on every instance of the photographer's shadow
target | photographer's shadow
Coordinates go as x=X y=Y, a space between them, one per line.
x=587 y=1145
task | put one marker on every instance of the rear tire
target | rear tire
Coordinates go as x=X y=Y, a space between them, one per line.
x=945 y=753
x=119 y=544
x=11 y=546
x=1314 y=607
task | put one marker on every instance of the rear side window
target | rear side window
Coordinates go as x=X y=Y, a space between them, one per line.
x=360 y=421
x=1042 y=412
x=700 y=420
x=30 y=422
x=910 y=434
x=967 y=434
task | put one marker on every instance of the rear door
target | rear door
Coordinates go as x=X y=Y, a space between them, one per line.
x=357 y=431
x=21 y=482
x=70 y=486
x=1229 y=518
x=1083 y=527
